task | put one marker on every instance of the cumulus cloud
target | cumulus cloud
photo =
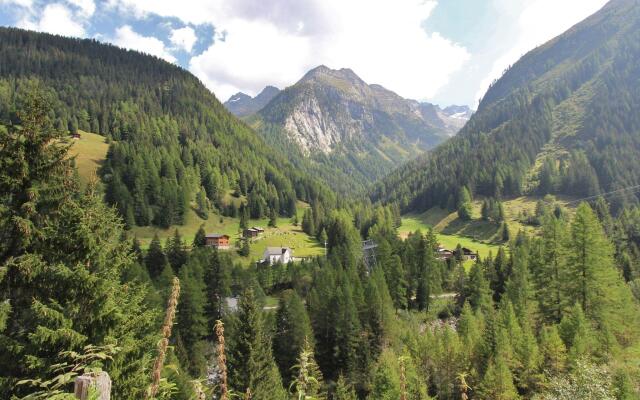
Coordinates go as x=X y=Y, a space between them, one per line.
x=183 y=38
x=55 y=18
x=538 y=23
x=126 y=37
x=276 y=41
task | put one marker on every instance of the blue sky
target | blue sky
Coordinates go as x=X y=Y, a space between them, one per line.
x=445 y=51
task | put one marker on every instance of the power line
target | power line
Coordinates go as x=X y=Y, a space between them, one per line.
x=632 y=188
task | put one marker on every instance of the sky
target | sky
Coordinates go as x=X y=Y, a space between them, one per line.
x=441 y=51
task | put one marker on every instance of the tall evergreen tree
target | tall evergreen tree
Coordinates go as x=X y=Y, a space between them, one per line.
x=293 y=330
x=251 y=365
x=176 y=251
x=61 y=258
x=155 y=259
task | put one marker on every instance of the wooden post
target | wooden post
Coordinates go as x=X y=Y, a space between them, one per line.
x=100 y=381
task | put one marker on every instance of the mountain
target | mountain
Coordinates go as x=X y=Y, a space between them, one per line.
x=171 y=142
x=563 y=120
x=241 y=104
x=350 y=130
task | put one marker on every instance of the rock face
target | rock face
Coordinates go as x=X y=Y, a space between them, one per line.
x=329 y=108
x=241 y=104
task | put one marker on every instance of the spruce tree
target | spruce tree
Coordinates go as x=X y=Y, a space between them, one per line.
x=192 y=322
x=200 y=239
x=176 y=251
x=61 y=261
x=293 y=330
x=250 y=363
x=498 y=382
x=155 y=259
x=343 y=390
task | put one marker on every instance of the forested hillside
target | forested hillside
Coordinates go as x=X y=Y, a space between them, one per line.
x=171 y=141
x=548 y=317
x=562 y=120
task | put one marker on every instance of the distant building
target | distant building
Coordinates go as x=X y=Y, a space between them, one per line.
x=468 y=254
x=273 y=255
x=75 y=135
x=218 y=240
x=252 y=232
x=444 y=254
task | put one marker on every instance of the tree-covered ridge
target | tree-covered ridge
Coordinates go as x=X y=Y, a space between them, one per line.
x=170 y=137
x=560 y=120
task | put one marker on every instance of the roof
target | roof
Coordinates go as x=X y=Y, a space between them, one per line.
x=276 y=251
x=216 y=235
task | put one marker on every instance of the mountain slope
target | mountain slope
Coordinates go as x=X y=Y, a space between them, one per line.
x=241 y=104
x=171 y=141
x=340 y=124
x=564 y=119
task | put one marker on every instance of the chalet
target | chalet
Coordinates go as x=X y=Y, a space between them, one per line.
x=252 y=232
x=444 y=254
x=468 y=254
x=217 y=240
x=274 y=255
x=76 y=135
x=249 y=233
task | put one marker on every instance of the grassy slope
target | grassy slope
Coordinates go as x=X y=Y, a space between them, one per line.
x=90 y=151
x=285 y=234
x=478 y=235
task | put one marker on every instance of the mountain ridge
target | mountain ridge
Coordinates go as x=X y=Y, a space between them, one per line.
x=559 y=121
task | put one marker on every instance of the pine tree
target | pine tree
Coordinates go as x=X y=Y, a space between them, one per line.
x=554 y=352
x=273 y=218
x=576 y=332
x=200 y=239
x=343 y=390
x=203 y=206
x=155 y=260
x=498 y=382
x=192 y=322
x=176 y=251
x=217 y=282
x=464 y=204
x=293 y=331
x=477 y=291
x=251 y=364
x=397 y=283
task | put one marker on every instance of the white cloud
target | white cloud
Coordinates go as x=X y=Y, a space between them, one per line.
x=183 y=38
x=538 y=23
x=126 y=37
x=55 y=18
x=87 y=7
x=21 y=3
x=276 y=41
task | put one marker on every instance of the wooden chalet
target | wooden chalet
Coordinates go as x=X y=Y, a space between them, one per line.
x=218 y=240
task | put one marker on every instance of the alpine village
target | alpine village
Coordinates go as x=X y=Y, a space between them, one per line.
x=326 y=240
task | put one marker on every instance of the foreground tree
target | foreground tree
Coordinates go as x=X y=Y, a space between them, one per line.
x=63 y=260
x=251 y=365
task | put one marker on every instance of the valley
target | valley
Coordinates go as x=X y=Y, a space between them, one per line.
x=329 y=238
